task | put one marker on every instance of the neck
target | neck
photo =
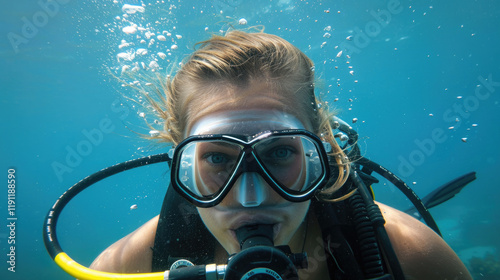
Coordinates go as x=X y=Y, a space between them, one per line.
x=314 y=247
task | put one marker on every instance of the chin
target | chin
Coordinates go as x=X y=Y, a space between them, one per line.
x=232 y=248
x=230 y=243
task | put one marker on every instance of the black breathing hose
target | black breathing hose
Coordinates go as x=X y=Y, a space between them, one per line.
x=371 y=258
x=49 y=227
x=369 y=166
x=405 y=189
x=377 y=223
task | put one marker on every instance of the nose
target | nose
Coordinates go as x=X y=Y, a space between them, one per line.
x=250 y=189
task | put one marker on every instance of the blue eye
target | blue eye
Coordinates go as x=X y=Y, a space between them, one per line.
x=216 y=158
x=281 y=153
x=220 y=160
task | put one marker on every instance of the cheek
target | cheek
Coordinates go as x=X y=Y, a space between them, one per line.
x=208 y=184
x=209 y=219
x=292 y=177
x=218 y=227
x=295 y=215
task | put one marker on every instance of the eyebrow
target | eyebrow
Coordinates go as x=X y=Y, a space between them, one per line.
x=224 y=144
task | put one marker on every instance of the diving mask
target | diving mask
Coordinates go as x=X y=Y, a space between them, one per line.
x=291 y=160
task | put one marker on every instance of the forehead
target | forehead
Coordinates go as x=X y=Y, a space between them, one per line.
x=245 y=122
x=219 y=103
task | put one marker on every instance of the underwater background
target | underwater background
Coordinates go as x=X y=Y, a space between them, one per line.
x=418 y=80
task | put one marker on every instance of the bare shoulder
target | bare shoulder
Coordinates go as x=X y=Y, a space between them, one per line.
x=423 y=254
x=131 y=254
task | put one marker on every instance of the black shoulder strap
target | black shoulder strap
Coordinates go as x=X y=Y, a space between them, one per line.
x=336 y=227
x=180 y=234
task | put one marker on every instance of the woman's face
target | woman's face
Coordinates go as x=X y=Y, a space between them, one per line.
x=260 y=110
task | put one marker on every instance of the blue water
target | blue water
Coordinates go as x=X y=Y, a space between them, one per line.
x=56 y=90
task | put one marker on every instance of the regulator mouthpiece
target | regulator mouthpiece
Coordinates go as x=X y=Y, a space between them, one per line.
x=255 y=235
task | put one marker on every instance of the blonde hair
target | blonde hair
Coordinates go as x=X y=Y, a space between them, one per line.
x=235 y=60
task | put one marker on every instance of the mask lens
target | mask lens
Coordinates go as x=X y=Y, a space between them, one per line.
x=292 y=161
x=206 y=166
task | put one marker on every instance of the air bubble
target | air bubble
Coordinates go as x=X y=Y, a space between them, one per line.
x=154 y=133
x=242 y=21
x=327 y=146
x=124 y=44
x=154 y=65
x=149 y=34
x=132 y=9
x=125 y=68
x=162 y=55
x=141 y=51
x=129 y=56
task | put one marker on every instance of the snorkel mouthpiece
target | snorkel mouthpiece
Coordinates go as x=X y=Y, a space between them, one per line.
x=250 y=189
x=255 y=235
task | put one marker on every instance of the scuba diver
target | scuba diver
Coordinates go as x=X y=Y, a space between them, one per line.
x=260 y=183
